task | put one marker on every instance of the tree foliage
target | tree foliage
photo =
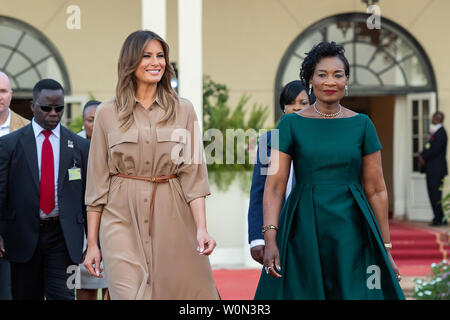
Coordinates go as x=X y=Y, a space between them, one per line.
x=219 y=115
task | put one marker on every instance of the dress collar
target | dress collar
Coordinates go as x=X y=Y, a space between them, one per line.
x=157 y=101
x=37 y=129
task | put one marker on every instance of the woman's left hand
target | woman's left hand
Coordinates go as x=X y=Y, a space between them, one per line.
x=206 y=243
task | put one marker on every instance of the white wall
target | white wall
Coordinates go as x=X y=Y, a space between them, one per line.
x=227 y=224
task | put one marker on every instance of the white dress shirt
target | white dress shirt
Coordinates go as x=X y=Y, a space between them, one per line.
x=4 y=128
x=54 y=141
x=290 y=181
x=82 y=134
x=435 y=127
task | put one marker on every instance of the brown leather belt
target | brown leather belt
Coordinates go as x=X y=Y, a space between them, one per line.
x=156 y=180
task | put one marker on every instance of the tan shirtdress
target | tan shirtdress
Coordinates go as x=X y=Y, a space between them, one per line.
x=164 y=264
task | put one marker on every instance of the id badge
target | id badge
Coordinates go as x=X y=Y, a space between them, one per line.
x=74 y=174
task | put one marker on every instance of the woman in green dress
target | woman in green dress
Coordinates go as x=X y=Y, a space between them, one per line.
x=331 y=238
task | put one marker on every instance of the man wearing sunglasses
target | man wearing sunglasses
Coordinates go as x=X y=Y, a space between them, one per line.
x=42 y=211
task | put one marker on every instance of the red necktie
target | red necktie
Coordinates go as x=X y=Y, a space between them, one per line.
x=47 y=196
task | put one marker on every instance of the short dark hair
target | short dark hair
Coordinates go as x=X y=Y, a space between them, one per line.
x=89 y=104
x=290 y=92
x=322 y=50
x=440 y=115
x=46 y=84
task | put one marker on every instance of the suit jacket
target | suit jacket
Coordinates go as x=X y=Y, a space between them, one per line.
x=17 y=121
x=434 y=154
x=255 y=210
x=19 y=193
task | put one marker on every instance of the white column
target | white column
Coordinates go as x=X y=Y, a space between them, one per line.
x=154 y=16
x=190 y=71
x=401 y=156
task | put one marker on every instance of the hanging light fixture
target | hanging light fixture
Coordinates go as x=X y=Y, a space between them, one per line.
x=370 y=2
x=174 y=81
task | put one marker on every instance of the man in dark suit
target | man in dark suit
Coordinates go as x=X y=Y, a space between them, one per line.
x=433 y=158
x=42 y=211
x=293 y=98
x=255 y=210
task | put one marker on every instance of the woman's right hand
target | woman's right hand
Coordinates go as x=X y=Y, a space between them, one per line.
x=92 y=261
x=272 y=259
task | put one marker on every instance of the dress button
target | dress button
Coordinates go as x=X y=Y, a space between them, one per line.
x=147 y=162
x=145 y=221
x=145 y=200
x=147 y=142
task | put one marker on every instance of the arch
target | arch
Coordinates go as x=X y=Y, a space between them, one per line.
x=386 y=61
x=27 y=56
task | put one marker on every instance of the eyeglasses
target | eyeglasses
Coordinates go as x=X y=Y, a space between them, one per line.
x=49 y=108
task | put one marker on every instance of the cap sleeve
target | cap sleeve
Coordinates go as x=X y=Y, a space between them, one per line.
x=281 y=137
x=371 y=141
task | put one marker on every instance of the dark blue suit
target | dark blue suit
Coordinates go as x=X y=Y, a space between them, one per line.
x=436 y=169
x=255 y=210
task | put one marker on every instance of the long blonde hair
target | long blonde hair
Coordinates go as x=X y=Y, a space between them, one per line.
x=129 y=59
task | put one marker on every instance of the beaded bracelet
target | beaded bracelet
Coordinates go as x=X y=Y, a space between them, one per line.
x=268 y=227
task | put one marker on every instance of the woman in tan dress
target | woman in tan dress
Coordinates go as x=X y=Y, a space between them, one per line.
x=147 y=183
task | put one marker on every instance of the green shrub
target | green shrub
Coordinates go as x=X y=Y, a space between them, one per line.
x=217 y=115
x=446 y=206
x=76 y=125
x=438 y=287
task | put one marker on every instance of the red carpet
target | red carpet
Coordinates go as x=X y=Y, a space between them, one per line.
x=237 y=284
x=413 y=246
x=413 y=249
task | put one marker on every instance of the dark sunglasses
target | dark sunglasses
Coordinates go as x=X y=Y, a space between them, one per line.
x=49 y=108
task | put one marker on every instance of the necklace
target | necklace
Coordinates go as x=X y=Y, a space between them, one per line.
x=328 y=115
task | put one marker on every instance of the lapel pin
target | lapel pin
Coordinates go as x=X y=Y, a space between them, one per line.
x=70 y=143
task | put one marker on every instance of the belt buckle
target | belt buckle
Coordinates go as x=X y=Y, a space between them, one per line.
x=43 y=222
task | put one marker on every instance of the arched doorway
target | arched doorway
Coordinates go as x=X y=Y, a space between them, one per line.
x=392 y=80
x=27 y=56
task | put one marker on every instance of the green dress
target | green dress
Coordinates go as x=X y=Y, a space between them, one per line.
x=329 y=241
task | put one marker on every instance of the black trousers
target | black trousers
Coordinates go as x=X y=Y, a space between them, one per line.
x=45 y=275
x=434 y=183
x=5 y=280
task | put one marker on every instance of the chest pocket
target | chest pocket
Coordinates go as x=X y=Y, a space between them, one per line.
x=116 y=138
x=171 y=143
x=123 y=147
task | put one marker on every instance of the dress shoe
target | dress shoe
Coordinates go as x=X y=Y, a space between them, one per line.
x=436 y=223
